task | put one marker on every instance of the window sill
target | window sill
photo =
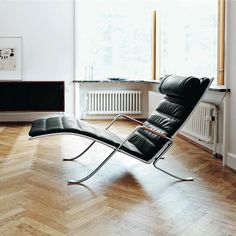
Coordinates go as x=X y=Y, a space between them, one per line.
x=117 y=81
x=219 y=88
x=213 y=87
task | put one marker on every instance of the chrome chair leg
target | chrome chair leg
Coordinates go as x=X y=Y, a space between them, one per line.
x=104 y=162
x=168 y=173
x=71 y=181
x=74 y=158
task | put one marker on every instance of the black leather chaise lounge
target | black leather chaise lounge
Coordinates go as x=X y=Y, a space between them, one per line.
x=150 y=139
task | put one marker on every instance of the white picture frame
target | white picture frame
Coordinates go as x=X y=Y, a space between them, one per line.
x=10 y=58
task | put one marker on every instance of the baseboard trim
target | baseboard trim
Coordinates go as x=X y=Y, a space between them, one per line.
x=231 y=160
x=206 y=146
x=195 y=143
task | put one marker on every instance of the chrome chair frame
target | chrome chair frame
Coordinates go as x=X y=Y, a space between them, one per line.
x=156 y=157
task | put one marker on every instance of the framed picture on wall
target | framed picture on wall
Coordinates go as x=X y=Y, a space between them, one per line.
x=10 y=58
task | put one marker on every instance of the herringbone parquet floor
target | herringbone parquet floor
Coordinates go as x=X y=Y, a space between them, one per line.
x=126 y=197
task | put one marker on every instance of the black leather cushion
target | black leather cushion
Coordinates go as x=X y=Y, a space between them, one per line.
x=182 y=95
x=179 y=86
x=71 y=125
x=172 y=112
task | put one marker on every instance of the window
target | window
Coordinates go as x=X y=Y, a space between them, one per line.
x=114 y=38
x=189 y=37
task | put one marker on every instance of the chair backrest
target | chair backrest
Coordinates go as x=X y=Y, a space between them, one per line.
x=182 y=96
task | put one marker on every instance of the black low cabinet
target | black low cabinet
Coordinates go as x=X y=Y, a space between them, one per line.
x=32 y=96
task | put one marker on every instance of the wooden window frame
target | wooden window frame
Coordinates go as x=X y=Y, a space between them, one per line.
x=155 y=47
x=220 y=45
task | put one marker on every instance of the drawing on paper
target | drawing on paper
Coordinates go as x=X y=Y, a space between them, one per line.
x=8 y=59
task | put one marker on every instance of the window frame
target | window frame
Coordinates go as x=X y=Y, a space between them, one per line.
x=220 y=73
x=221 y=43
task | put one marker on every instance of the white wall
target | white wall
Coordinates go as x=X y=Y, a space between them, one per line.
x=47 y=29
x=231 y=80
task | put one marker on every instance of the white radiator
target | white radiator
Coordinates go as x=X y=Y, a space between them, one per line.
x=202 y=125
x=111 y=102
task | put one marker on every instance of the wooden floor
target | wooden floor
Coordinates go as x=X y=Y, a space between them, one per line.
x=126 y=197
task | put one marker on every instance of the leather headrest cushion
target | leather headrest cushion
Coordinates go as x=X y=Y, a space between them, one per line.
x=180 y=86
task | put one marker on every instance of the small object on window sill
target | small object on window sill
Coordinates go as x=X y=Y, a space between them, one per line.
x=117 y=79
